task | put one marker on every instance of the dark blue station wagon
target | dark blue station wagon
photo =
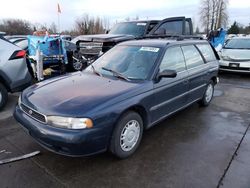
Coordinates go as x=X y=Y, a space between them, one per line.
x=127 y=90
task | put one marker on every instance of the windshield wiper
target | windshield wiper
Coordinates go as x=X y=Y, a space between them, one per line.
x=93 y=68
x=116 y=74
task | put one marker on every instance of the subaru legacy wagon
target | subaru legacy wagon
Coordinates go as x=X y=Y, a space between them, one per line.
x=129 y=89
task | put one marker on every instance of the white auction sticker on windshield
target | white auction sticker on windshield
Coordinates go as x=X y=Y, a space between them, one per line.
x=149 y=49
x=141 y=24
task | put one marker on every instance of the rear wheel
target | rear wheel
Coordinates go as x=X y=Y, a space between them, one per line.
x=3 y=96
x=127 y=135
x=208 y=95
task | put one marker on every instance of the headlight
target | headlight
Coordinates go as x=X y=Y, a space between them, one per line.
x=226 y=58
x=69 y=123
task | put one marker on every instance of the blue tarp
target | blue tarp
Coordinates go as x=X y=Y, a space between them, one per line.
x=218 y=38
x=52 y=48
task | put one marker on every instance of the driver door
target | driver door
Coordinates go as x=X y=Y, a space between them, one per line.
x=170 y=94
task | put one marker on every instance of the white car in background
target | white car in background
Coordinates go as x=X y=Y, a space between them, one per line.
x=235 y=55
x=14 y=74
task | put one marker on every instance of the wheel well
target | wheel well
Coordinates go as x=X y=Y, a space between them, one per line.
x=214 y=79
x=141 y=111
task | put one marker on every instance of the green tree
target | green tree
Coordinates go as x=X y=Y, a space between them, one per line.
x=234 y=29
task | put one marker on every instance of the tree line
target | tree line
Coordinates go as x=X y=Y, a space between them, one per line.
x=213 y=14
x=83 y=25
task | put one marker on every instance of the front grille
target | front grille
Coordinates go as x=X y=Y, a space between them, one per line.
x=33 y=114
x=91 y=48
x=235 y=68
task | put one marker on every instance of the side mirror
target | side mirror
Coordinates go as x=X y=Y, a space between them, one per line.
x=107 y=32
x=167 y=74
x=160 y=31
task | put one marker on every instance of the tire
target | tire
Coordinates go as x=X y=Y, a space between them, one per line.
x=3 y=96
x=131 y=126
x=208 y=95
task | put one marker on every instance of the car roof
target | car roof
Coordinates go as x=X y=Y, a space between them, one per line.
x=161 y=42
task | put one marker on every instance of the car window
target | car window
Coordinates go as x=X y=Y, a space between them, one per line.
x=192 y=56
x=134 y=62
x=207 y=52
x=173 y=60
x=22 y=44
x=238 y=43
x=130 y=28
x=171 y=27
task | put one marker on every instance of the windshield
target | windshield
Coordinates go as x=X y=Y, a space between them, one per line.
x=130 y=28
x=242 y=43
x=127 y=62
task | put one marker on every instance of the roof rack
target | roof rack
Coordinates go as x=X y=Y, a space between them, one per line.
x=173 y=36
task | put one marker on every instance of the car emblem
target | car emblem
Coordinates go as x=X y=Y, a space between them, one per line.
x=89 y=47
x=30 y=112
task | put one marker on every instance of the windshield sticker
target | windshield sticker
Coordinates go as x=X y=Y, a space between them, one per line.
x=149 y=49
x=141 y=24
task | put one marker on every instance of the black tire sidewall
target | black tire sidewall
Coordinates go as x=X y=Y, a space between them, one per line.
x=115 y=147
x=4 y=94
x=203 y=101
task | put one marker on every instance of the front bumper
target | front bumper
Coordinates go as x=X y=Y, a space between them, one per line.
x=239 y=66
x=66 y=142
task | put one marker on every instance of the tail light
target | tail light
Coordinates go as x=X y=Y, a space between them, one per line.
x=18 y=54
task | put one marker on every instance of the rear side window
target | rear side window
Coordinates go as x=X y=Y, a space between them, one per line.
x=192 y=56
x=207 y=52
x=173 y=60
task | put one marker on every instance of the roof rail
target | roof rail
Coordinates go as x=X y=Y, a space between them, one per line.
x=173 y=36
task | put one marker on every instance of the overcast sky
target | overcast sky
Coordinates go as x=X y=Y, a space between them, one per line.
x=45 y=11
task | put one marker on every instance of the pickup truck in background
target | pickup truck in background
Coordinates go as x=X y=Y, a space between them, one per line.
x=90 y=47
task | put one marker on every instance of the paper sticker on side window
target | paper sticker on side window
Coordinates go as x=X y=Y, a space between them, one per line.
x=149 y=49
x=141 y=24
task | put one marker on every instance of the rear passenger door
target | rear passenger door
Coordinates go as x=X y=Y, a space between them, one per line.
x=170 y=94
x=197 y=71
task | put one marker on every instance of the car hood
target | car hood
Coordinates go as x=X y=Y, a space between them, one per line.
x=103 y=38
x=235 y=54
x=76 y=94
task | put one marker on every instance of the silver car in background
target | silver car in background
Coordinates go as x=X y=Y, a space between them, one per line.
x=14 y=74
x=235 y=55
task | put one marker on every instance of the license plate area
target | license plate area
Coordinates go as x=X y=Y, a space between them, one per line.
x=234 y=65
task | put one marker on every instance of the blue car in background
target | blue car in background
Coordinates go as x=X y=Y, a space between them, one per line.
x=129 y=89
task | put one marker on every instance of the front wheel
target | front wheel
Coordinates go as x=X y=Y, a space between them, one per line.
x=3 y=96
x=208 y=95
x=127 y=135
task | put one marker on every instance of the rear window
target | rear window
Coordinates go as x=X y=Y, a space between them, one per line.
x=207 y=52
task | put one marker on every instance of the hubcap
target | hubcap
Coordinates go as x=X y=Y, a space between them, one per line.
x=77 y=65
x=130 y=135
x=209 y=93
